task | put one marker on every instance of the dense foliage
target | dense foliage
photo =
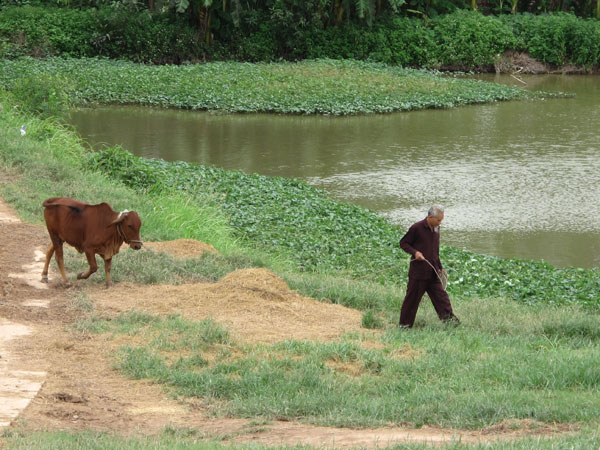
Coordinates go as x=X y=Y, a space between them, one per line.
x=464 y=40
x=108 y=32
x=558 y=39
x=214 y=16
x=290 y=217
x=308 y=87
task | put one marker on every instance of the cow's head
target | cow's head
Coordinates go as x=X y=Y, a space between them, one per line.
x=128 y=225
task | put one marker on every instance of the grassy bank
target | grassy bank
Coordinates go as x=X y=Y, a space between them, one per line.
x=309 y=87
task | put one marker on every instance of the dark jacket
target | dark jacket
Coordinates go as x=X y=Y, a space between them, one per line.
x=420 y=237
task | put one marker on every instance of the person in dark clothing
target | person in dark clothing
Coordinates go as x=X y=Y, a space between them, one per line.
x=422 y=242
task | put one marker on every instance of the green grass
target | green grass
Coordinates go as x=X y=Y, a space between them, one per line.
x=307 y=87
x=185 y=439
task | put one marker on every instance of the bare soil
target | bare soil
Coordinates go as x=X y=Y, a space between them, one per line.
x=61 y=379
x=514 y=62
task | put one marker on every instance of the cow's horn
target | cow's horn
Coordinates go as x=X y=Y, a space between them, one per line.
x=125 y=211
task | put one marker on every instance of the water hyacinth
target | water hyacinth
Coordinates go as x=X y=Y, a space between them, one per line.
x=322 y=235
x=306 y=87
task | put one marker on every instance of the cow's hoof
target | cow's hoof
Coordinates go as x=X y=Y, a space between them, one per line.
x=81 y=276
x=45 y=280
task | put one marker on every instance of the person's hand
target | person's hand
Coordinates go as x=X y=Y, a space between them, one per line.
x=419 y=256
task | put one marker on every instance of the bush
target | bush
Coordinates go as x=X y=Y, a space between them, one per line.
x=65 y=32
x=557 y=38
x=145 y=37
x=544 y=37
x=111 y=32
x=343 y=42
x=259 y=46
x=412 y=43
x=583 y=42
x=468 y=39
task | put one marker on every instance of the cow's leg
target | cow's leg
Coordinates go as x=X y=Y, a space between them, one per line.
x=107 y=266
x=57 y=244
x=49 y=254
x=91 y=258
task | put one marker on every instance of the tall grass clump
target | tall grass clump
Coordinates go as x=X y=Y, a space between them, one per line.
x=177 y=216
x=49 y=161
x=45 y=96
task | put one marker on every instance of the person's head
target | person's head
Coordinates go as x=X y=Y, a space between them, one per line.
x=435 y=215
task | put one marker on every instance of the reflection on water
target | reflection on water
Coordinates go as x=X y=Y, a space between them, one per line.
x=518 y=179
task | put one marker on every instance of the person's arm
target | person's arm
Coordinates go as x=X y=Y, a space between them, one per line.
x=406 y=244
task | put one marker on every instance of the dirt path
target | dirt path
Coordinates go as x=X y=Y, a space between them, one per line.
x=20 y=378
x=53 y=378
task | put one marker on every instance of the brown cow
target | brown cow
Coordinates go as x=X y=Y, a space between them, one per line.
x=90 y=229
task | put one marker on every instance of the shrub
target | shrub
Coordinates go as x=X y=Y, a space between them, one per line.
x=583 y=42
x=259 y=46
x=112 y=32
x=412 y=43
x=145 y=37
x=468 y=39
x=545 y=39
x=65 y=32
x=557 y=38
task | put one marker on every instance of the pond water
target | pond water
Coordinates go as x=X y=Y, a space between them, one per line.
x=518 y=179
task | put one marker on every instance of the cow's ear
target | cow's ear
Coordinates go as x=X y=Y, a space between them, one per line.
x=120 y=217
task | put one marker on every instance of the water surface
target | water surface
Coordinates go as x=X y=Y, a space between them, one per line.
x=518 y=179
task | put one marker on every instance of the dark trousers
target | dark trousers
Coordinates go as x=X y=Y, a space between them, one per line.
x=414 y=293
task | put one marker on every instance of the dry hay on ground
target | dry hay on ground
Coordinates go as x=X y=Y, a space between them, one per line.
x=256 y=279
x=253 y=304
x=182 y=248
